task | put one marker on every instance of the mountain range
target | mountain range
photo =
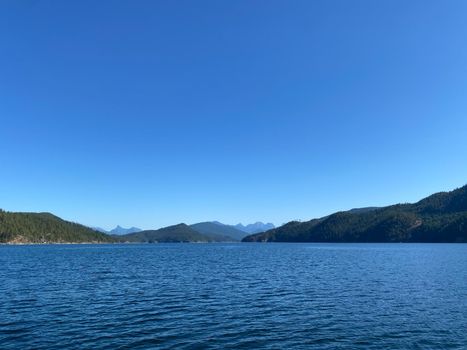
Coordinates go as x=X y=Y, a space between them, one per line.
x=180 y=233
x=22 y=228
x=441 y=217
x=118 y=230
x=200 y=232
x=216 y=228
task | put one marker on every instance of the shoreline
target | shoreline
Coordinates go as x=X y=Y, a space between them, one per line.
x=258 y=243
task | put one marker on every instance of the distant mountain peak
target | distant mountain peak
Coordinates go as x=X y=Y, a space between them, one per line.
x=257 y=227
x=119 y=230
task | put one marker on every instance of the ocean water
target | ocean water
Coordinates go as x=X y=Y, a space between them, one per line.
x=237 y=296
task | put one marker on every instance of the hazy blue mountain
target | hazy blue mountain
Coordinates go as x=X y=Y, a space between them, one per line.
x=171 y=234
x=219 y=231
x=257 y=227
x=123 y=231
x=118 y=230
x=441 y=217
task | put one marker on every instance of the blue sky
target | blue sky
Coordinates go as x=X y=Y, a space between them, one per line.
x=151 y=113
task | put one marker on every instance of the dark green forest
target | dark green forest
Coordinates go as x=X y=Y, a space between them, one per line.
x=441 y=217
x=45 y=228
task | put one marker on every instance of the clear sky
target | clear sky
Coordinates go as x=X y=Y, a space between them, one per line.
x=151 y=113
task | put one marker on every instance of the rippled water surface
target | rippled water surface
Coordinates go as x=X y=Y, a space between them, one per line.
x=213 y=296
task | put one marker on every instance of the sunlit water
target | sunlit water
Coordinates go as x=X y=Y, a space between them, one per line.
x=214 y=296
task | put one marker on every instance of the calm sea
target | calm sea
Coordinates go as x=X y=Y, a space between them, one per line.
x=242 y=296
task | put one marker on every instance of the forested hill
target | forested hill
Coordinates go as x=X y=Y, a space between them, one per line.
x=172 y=234
x=45 y=228
x=441 y=217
